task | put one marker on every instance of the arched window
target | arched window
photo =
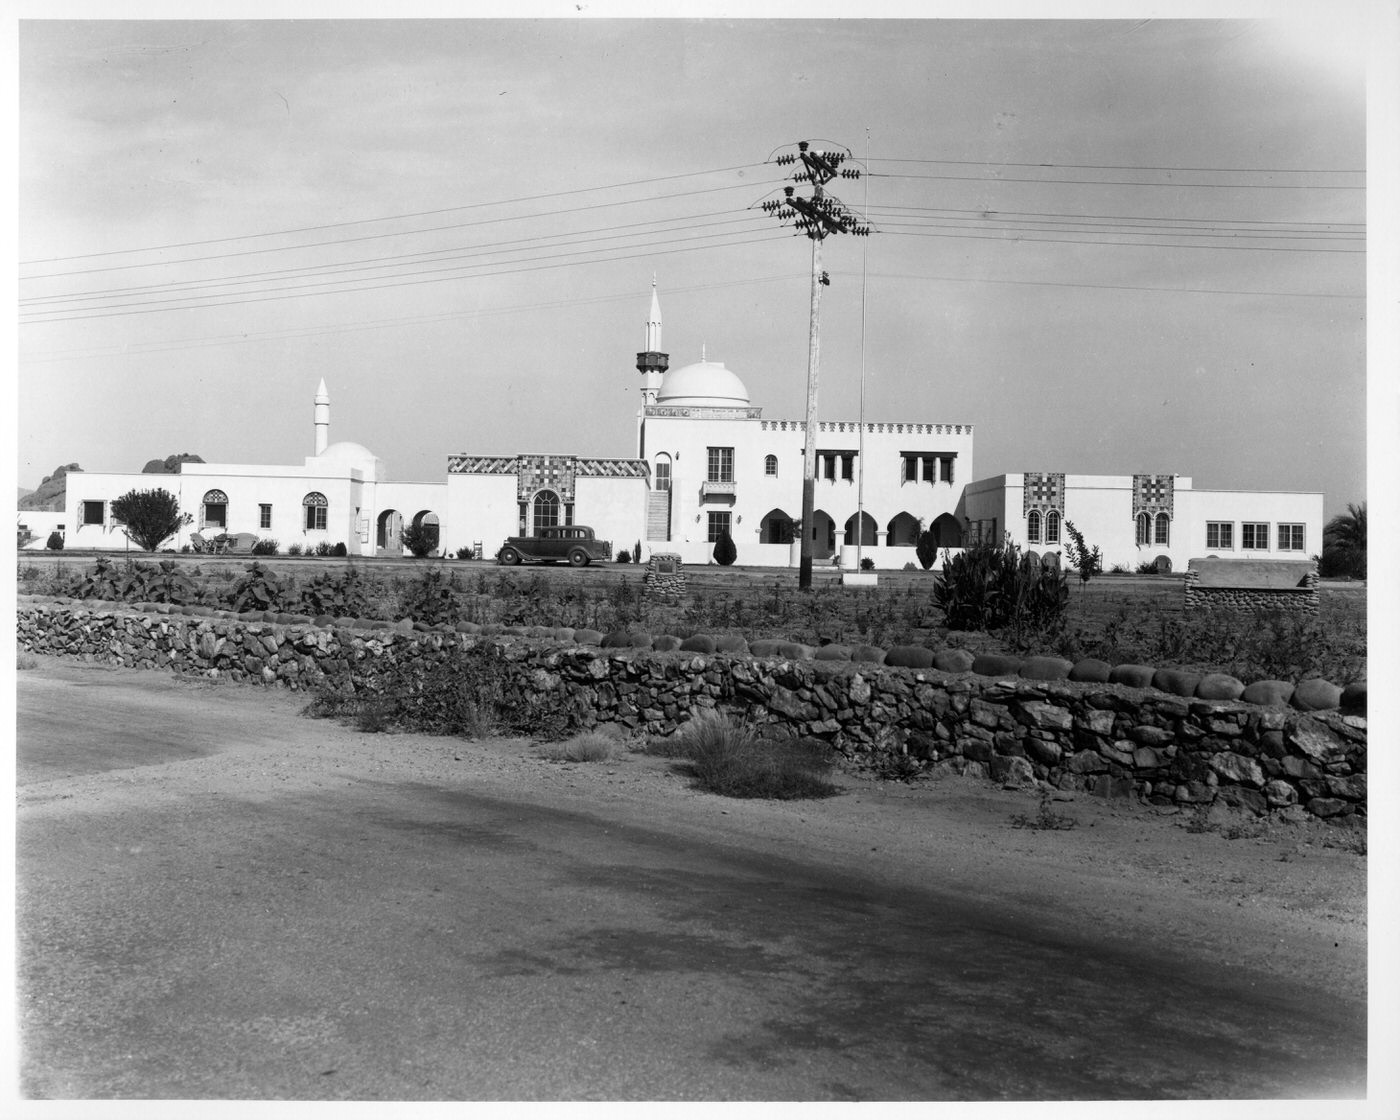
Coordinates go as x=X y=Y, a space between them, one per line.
x=1033 y=526
x=1164 y=529
x=546 y=509
x=1052 y=527
x=1144 y=528
x=770 y=466
x=662 y=476
x=216 y=509
x=315 y=505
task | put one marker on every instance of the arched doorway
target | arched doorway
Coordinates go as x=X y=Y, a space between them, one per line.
x=388 y=526
x=867 y=536
x=904 y=530
x=947 y=532
x=430 y=523
x=775 y=528
x=823 y=535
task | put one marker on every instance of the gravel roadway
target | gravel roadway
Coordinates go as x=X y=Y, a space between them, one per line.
x=219 y=898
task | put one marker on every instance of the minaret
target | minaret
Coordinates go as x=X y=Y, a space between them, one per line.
x=651 y=364
x=323 y=417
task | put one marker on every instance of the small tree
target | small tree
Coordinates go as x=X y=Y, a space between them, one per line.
x=55 y=541
x=926 y=549
x=420 y=539
x=1087 y=560
x=151 y=517
x=725 y=552
x=637 y=553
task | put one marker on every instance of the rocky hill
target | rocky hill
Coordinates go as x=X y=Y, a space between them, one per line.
x=170 y=464
x=51 y=492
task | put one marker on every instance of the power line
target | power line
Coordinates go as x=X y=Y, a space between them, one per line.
x=1120 y=287
x=1132 y=244
x=1122 y=183
x=1135 y=167
x=393 y=217
x=461 y=252
x=649 y=251
x=1134 y=231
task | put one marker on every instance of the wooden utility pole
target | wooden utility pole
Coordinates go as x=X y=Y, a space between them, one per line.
x=816 y=217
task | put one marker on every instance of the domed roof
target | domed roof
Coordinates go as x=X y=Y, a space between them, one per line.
x=350 y=456
x=703 y=383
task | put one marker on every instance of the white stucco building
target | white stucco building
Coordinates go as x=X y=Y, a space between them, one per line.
x=1139 y=518
x=707 y=461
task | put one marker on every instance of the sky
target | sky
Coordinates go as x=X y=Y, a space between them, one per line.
x=1113 y=246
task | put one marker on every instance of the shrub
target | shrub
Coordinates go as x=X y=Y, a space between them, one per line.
x=466 y=552
x=624 y=557
x=591 y=746
x=339 y=549
x=265 y=546
x=294 y=550
x=150 y=517
x=725 y=552
x=867 y=564
x=420 y=539
x=926 y=549
x=909 y=566
x=1146 y=568
x=731 y=760
x=258 y=590
x=989 y=587
x=341 y=594
x=25 y=660
x=55 y=541
x=432 y=597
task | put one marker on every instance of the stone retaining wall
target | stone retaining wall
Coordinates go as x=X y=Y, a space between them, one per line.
x=1110 y=739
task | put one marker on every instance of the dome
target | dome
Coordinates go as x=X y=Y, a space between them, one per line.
x=351 y=456
x=703 y=383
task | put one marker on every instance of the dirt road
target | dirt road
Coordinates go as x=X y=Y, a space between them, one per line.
x=219 y=898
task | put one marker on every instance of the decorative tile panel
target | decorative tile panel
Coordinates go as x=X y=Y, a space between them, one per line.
x=1153 y=493
x=1044 y=492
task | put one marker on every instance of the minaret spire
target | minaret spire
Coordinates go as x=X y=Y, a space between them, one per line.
x=322 y=417
x=651 y=364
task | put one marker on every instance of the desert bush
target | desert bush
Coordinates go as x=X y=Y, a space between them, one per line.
x=591 y=746
x=730 y=759
x=989 y=587
x=420 y=539
x=624 y=557
x=867 y=564
x=1146 y=568
x=466 y=552
x=432 y=597
x=345 y=593
x=25 y=660
x=150 y=517
x=265 y=546
x=55 y=542
x=294 y=550
x=259 y=589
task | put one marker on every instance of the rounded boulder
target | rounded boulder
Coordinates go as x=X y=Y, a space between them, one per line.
x=1041 y=668
x=833 y=652
x=996 y=665
x=731 y=643
x=665 y=643
x=1316 y=695
x=953 y=661
x=765 y=647
x=1268 y=693
x=1134 y=676
x=873 y=655
x=699 y=643
x=1219 y=686
x=1178 y=682
x=1091 y=670
x=586 y=637
x=909 y=657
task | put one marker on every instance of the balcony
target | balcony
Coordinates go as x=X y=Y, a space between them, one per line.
x=712 y=489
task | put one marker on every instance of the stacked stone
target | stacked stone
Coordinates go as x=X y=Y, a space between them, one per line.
x=664 y=578
x=1302 y=599
x=1004 y=721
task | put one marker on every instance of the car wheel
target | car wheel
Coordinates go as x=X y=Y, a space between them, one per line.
x=509 y=556
x=578 y=558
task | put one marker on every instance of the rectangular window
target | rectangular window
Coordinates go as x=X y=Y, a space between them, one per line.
x=848 y=467
x=1220 y=534
x=1254 y=536
x=1290 y=537
x=721 y=464
x=264 y=516
x=719 y=524
x=911 y=468
x=826 y=466
x=930 y=469
x=94 y=513
x=316 y=517
x=216 y=514
x=947 y=463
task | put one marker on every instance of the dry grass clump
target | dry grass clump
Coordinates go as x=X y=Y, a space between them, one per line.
x=591 y=746
x=731 y=759
x=26 y=660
